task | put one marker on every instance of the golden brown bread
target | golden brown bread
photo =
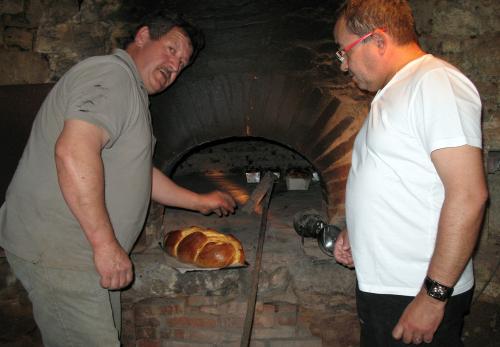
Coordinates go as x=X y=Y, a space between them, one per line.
x=204 y=247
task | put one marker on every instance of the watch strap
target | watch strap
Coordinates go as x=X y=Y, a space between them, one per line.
x=437 y=290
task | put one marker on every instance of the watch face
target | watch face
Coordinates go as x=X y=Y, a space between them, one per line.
x=437 y=291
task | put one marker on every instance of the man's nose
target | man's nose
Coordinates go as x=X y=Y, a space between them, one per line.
x=175 y=64
x=344 y=66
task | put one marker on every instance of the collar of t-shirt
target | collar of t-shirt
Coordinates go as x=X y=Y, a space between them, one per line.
x=125 y=57
x=399 y=75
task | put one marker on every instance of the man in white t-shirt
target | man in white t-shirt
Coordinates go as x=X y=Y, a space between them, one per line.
x=416 y=190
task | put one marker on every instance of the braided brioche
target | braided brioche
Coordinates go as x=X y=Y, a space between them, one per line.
x=205 y=248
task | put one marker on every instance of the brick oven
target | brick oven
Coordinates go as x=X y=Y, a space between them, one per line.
x=222 y=128
x=260 y=97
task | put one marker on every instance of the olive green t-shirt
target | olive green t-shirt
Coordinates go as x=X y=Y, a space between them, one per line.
x=35 y=222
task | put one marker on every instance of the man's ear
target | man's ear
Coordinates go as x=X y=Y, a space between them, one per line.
x=142 y=36
x=380 y=39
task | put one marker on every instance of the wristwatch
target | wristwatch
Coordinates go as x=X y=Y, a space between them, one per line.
x=437 y=290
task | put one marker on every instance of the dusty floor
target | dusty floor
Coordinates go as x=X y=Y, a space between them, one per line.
x=17 y=328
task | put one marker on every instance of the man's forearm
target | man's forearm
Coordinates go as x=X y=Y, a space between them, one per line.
x=167 y=192
x=459 y=227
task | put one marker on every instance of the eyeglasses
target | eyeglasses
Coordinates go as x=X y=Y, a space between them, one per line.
x=342 y=52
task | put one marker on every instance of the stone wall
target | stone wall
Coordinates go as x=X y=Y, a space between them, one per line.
x=20 y=61
x=465 y=33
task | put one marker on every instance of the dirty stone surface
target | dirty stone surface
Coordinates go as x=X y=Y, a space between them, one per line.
x=285 y=258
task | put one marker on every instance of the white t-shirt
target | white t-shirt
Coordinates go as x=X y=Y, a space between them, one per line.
x=394 y=194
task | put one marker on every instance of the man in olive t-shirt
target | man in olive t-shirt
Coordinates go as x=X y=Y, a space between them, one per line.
x=79 y=196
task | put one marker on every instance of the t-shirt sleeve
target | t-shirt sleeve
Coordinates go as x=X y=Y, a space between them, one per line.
x=100 y=94
x=447 y=111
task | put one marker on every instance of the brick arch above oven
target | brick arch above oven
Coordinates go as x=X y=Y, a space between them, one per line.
x=288 y=110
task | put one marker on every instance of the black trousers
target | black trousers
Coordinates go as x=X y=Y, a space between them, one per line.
x=379 y=314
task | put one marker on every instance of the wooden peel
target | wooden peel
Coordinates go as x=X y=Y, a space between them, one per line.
x=264 y=189
x=258 y=193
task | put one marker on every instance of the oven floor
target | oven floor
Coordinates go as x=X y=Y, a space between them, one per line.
x=17 y=328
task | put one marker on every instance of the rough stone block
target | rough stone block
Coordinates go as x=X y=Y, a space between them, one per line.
x=17 y=37
x=11 y=6
x=285 y=307
x=7 y=277
x=147 y=322
x=204 y=335
x=451 y=47
x=236 y=308
x=231 y=344
x=144 y=310
x=185 y=344
x=30 y=68
x=148 y=343
x=265 y=319
x=148 y=333
x=173 y=334
x=305 y=342
x=231 y=322
x=212 y=335
x=287 y=319
x=258 y=343
x=143 y=313
x=172 y=309
x=197 y=300
x=193 y=322
x=341 y=330
x=215 y=310
x=273 y=333
x=34 y=12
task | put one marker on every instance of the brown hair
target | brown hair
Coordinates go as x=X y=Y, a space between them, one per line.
x=162 y=21
x=394 y=16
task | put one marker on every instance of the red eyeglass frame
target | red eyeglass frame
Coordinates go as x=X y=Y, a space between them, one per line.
x=342 y=52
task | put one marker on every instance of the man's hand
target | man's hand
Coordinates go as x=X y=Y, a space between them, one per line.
x=113 y=265
x=168 y=193
x=420 y=319
x=342 y=250
x=217 y=202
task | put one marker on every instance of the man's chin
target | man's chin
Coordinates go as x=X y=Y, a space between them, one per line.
x=158 y=88
x=363 y=86
x=164 y=84
x=357 y=84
